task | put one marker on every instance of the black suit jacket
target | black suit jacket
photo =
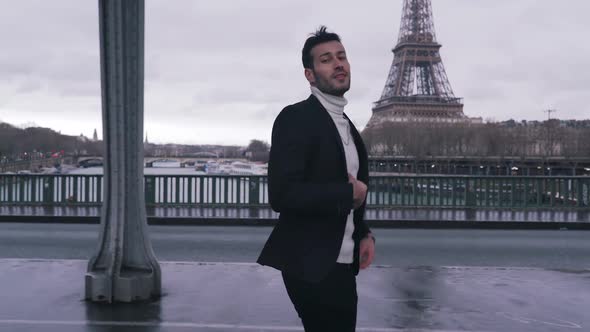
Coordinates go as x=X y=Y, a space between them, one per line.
x=308 y=186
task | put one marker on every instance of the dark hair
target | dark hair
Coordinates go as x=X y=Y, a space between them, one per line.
x=320 y=36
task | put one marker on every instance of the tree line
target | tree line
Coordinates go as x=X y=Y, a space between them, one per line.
x=36 y=142
x=509 y=138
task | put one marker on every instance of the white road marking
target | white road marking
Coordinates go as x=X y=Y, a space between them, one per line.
x=527 y=320
x=450 y=267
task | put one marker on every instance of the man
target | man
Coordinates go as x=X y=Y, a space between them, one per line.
x=317 y=177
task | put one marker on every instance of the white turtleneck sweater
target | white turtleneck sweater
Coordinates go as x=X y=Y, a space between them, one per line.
x=335 y=107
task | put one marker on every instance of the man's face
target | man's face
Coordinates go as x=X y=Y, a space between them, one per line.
x=331 y=70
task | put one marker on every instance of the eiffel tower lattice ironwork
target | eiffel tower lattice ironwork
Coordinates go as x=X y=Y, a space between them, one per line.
x=417 y=88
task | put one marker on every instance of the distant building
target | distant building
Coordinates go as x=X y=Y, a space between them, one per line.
x=82 y=138
x=417 y=88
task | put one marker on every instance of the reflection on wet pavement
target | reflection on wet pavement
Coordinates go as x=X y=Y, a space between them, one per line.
x=46 y=295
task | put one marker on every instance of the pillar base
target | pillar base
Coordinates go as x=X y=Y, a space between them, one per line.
x=130 y=285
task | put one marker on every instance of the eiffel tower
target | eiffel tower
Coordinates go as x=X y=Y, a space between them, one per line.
x=417 y=88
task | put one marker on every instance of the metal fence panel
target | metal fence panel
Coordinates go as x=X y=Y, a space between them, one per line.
x=384 y=191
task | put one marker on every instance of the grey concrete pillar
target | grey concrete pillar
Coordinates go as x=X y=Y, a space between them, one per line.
x=124 y=269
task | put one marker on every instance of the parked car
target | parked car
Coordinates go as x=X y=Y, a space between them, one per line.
x=90 y=163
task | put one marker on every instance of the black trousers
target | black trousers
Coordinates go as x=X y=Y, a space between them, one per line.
x=329 y=305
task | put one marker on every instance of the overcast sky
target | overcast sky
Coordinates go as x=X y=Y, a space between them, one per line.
x=218 y=72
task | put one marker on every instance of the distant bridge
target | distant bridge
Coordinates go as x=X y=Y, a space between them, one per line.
x=148 y=162
x=193 y=158
x=456 y=165
x=33 y=165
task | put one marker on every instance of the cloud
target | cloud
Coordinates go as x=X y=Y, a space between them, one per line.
x=220 y=71
x=28 y=86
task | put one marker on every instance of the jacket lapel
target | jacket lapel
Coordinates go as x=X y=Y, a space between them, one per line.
x=360 y=149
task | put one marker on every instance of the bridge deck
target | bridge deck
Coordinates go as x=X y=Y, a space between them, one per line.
x=47 y=295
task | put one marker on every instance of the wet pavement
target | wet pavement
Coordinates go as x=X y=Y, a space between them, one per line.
x=47 y=295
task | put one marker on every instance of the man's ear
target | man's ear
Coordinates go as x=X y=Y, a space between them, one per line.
x=310 y=76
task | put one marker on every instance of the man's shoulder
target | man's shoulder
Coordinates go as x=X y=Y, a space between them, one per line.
x=305 y=104
x=299 y=110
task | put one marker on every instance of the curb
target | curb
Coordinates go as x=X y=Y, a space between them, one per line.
x=417 y=224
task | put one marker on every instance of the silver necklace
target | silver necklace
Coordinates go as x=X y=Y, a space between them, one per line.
x=347 y=141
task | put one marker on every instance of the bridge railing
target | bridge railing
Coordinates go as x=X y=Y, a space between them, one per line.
x=206 y=190
x=384 y=191
x=479 y=191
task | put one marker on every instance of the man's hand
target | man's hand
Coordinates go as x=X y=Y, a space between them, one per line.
x=359 y=192
x=367 y=251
